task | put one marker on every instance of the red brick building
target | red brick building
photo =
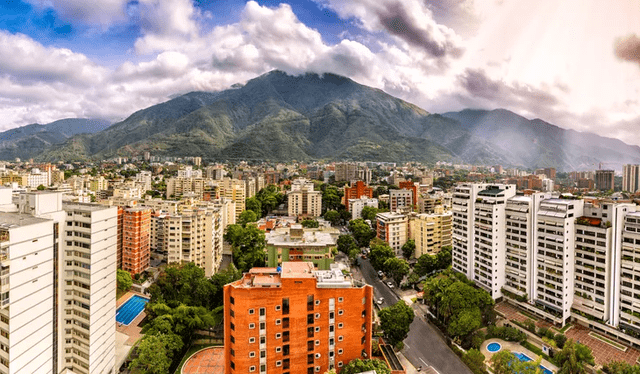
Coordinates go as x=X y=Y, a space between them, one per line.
x=136 y=237
x=295 y=321
x=360 y=189
x=409 y=185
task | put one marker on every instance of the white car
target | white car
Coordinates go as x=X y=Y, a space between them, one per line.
x=390 y=284
x=380 y=301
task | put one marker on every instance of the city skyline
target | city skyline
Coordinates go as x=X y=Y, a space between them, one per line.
x=573 y=64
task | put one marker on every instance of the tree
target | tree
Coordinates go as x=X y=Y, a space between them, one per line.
x=361 y=232
x=346 y=243
x=397 y=267
x=254 y=204
x=465 y=322
x=369 y=213
x=152 y=356
x=408 y=249
x=331 y=198
x=573 y=357
x=474 y=359
x=246 y=217
x=620 y=367
x=360 y=366
x=310 y=223
x=560 y=340
x=380 y=253
x=332 y=216
x=247 y=244
x=395 y=321
x=123 y=280
x=425 y=264
x=505 y=362
x=41 y=188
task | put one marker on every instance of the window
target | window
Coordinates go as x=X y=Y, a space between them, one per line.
x=340 y=351
x=340 y=299
x=278 y=321
x=310 y=358
x=233 y=352
x=251 y=326
x=309 y=319
x=285 y=336
x=317 y=315
x=251 y=311
x=317 y=302
x=317 y=328
x=285 y=323
x=285 y=363
x=262 y=312
x=310 y=369
x=252 y=368
x=232 y=338
x=278 y=308
x=310 y=332
x=232 y=326
x=231 y=313
x=278 y=349
x=340 y=325
x=310 y=345
x=339 y=364
x=252 y=354
x=231 y=300
x=263 y=340
x=317 y=342
x=263 y=325
x=340 y=312
x=309 y=302
x=278 y=363
x=263 y=354
x=340 y=338
x=252 y=340
x=285 y=305
x=285 y=351
x=263 y=368
x=332 y=315
x=278 y=335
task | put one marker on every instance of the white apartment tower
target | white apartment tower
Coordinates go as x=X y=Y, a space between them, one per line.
x=629 y=317
x=555 y=257
x=489 y=237
x=521 y=214
x=630 y=178
x=597 y=263
x=463 y=206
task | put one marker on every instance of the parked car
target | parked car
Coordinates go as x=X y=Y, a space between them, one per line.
x=390 y=284
x=380 y=301
x=380 y=274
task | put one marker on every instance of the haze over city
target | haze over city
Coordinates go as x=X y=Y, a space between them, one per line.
x=575 y=64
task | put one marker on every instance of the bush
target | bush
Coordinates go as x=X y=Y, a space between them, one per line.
x=530 y=325
x=474 y=360
x=542 y=331
x=510 y=334
x=549 y=334
x=560 y=340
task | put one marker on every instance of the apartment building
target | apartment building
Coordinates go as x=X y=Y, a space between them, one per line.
x=463 y=207
x=303 y=200
x=630 y=178
x=411 y=186
x=356 y=191
x=298 y=244
x=399 y=199
x=605 y=180
x=489 y=237
x=629 y=317
x=177 y=187
x=136 y=239
x=555 y=256
x=430 y=232
x=521 y=215
x=234 y=190
x=297 y=320
x=355 y=206
x=393 y=228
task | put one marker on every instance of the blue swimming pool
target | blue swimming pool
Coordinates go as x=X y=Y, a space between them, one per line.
x=130 y=309
x=493 y=347
x=525 y=358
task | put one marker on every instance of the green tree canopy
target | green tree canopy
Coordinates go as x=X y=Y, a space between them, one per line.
x=397 y=268
x=369 y=212
x=361 y=232
x=408 y=249
x=248 y=244
x=152 y=357
x=254 y=204
x=246 y=217
x=332 y=216
x=346 y=243
x=332 y=197
x=505 y=362
x=573 y=357
x=123 y=280
x=474 y=359
x=360 y=366
x=310 y=223
x=395 y=321
x=380 y=253
x=620 y=367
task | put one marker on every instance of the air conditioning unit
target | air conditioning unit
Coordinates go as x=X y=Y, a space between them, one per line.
x=318 y=355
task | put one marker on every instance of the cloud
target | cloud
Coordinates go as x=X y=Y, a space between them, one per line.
x=628 y=48
x=459 y=15
x=102 y=12
x=409 y=20
x=166 y=24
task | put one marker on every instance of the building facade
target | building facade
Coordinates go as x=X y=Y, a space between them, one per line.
x=297 y=320
x=430 y=232
x=298 y=244
x=303 y=200
x=136 y=239
x=393 y=228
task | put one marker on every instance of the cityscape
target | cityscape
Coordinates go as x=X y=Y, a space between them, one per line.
x=319 y=187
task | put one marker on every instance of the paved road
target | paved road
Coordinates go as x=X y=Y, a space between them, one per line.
x=424 y=346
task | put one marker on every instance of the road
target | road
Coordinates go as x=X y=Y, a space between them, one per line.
x=424 y=346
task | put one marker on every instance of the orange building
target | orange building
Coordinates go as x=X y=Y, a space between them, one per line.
x=297 y=320
x=409 y=185
x=360 y=189
x=136 y=237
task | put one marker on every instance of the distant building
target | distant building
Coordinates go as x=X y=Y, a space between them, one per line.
x=400 y=199
x=356 y=191
x=393 y=229
x=355 y=206
x=303 y=200
x=430 y=232
x=630 y=178
x=605 y=180
x=297 y=320
x=136 y=238
x=299 y=244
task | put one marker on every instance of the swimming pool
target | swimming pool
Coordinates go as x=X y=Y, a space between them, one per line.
x=493 y=347
x=130 y=309
x=525 y=358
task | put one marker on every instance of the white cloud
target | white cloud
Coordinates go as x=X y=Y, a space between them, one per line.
x=166 y=24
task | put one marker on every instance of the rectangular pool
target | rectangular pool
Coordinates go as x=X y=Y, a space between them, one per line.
x=130 y=309
x=524 y=358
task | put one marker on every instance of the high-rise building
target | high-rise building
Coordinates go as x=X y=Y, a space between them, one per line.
x=298 y=244
x=303 y=200
x=411 y=186
x=630 y=178
x=176 y=187
x=393 y=228
x=463 y=207
x=136 y=239
x=605 y=180
x=399 y=199
x=234 y=190
x=430 y=232
x=296 y=320
x=356 y=191
x=346 y=171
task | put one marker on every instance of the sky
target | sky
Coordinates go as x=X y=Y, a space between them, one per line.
x=573 y=63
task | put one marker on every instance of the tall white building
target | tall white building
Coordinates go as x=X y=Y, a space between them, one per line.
x=489 y=237
x=630 y=178
x=303 y=200
x=555 y=256
x=463 y=207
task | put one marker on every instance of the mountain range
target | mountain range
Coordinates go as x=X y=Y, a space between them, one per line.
x=279 y=117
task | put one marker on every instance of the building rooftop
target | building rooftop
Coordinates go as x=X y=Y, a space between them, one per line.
x=10 y=220
x=85 y=206
x=308 y=238
x=292 y=269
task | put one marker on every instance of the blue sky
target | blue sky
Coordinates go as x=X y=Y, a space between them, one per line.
x=574 y=63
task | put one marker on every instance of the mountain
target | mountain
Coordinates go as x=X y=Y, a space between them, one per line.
x=280 y=117
x=31 y=140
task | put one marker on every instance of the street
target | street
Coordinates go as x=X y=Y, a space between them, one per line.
x=424 y=346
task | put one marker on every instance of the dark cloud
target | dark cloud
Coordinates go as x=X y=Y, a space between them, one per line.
x=628 y=48
x=479 y=85
x=396 y=19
